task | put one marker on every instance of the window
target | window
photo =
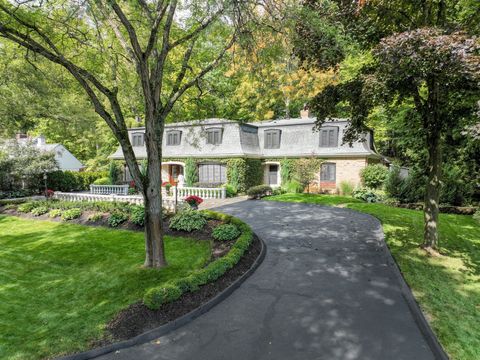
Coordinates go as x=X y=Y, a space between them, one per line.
x=214 y=136
x=272 y=139
x=212 y=173
x=174 y=137
x=138 y=139
x=328 y=172
x=329 y=136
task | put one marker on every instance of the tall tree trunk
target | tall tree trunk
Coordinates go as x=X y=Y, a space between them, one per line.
x=432 y=195
x=154 y=248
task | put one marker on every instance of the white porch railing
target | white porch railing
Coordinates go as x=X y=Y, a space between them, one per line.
x=169 y=203
x=109 y=189
x=204 y=193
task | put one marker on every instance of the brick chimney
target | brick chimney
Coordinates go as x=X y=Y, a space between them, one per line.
x=305 y=113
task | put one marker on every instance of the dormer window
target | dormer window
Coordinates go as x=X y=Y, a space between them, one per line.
x=329 y=136
x=272 y=139
x=138 y=139
x=174 y=137
x=214 y=136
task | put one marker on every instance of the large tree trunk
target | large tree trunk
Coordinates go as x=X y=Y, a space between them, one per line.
x=434 y=171
x=432 y=195
x=152 y=194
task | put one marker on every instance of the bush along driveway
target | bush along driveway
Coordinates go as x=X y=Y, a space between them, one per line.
x=326 y=290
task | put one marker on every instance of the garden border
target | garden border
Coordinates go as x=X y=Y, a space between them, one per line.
x=177 y=323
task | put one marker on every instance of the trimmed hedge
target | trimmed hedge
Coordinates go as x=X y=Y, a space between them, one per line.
x=259 y=191
x=171 y=291
x=72 y=180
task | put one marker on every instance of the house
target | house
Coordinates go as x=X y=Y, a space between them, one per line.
x=64 y=158
x=211 y=142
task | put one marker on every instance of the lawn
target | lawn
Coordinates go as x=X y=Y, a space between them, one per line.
x=314 y=199
x=447 y=287
x=61 y=283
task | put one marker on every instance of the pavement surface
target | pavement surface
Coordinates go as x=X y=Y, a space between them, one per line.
x=324 y=291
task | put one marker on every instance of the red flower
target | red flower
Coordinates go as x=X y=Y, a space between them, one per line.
x=192 y=200
x=49 y=193
x=132 y=184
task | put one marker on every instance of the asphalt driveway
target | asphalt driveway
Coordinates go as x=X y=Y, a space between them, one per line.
x=324 y=291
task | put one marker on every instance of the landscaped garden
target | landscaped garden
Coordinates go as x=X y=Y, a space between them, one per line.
x=447 y=286
x=67 y=287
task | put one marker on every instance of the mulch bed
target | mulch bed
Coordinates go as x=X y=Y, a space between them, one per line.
x=137 y=318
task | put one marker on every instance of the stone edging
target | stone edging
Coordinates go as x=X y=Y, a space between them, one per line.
x=175 y=324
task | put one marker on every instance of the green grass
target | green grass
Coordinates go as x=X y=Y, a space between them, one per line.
x=331 y=200
x=61 y=283
x=447 y=287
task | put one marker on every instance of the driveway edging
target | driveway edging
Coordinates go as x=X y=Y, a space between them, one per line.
x=413 y=305
x=175 y=324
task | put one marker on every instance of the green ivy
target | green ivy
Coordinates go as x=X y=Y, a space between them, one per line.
x=191 y=172
x=286 y=170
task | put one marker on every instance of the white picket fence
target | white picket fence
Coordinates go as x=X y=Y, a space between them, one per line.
x=169 y=203
x=204 y=193
x=109 y=189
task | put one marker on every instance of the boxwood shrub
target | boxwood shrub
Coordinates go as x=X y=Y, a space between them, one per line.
x=157 y=296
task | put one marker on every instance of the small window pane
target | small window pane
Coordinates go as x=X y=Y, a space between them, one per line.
x=138 y=139
x=214 y=174
x=214 y=136
x=329 y=137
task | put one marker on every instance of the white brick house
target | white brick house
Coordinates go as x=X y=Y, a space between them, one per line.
x=209 y=141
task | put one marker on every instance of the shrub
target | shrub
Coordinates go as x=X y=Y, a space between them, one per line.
x=193 y=200
x=27 y=207
x=95 y=217
x=71 y=214
x=259 y=191
x=40 y=210
x=394 y=183
x=226 y=232
x=374 y=176
x=230 y=190
x=476 y=216
x=116 y=218
x=368 y=195
x=286 y=170
x=137 y=215
x=455 y=190
x=55 y=213
x=114 y=172
x=188 y=220
x=102 y=181
x=346 y=188
x=156 y=297
x=293 y=187
x=72 y=180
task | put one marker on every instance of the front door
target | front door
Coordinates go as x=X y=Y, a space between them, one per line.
x=272 y=174
x=174 y=171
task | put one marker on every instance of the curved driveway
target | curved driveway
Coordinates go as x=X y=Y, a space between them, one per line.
x=324 y=291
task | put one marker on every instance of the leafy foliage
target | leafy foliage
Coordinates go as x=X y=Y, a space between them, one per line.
x=191 y=172
x=306 y=170
x=94 y=217
x=116 y=218
x=155 y=297
x=137 y=215
x=287 y=167
x=225 y=232
x=374 y=176
x=188 y=220
x=26 y=207
x=37 y=211
x=346 y=188
x=368 y=195
x=293 y=187
x=54 y=213
x=114 y=173
x=71 y=214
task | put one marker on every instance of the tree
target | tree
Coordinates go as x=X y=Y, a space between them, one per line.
x=436 y=71
x=22 y=163
x=102 y=42
x=305 y=171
